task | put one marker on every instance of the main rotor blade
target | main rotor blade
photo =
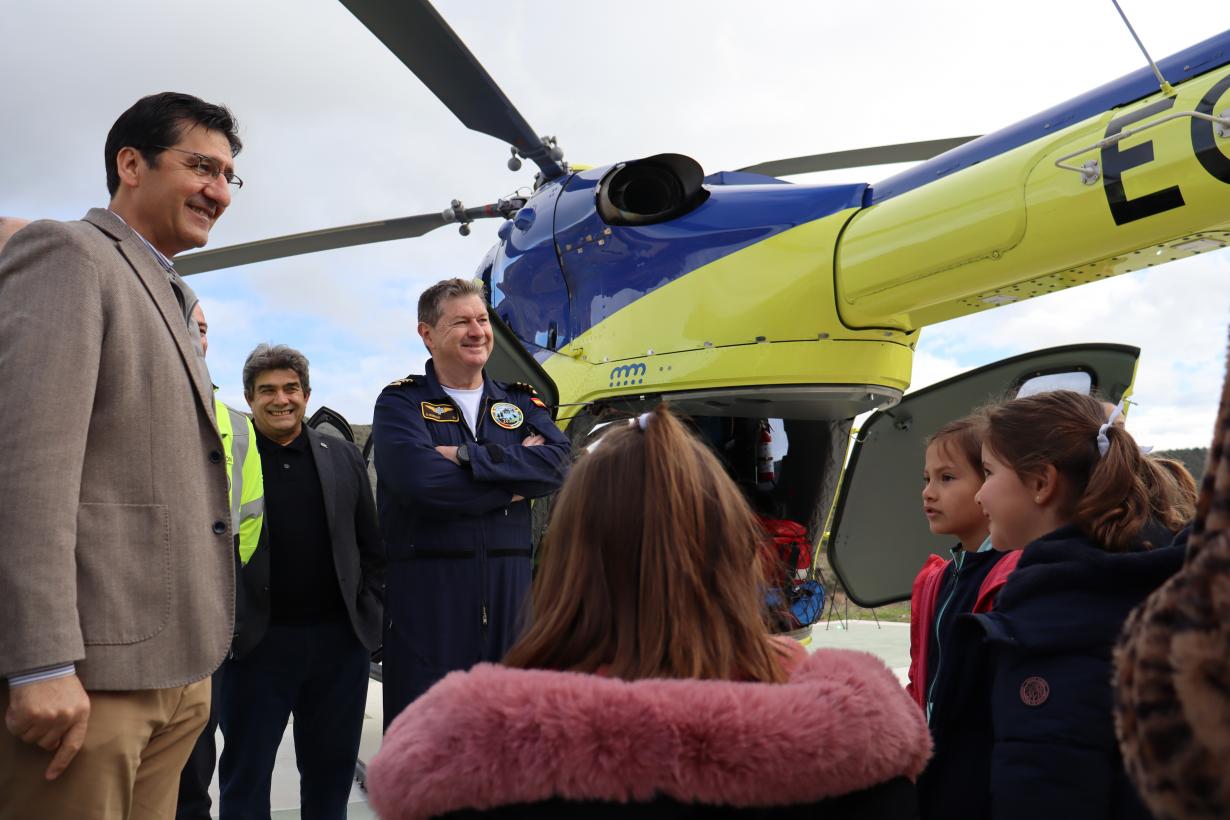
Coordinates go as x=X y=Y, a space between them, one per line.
x=415 y=32
x=879 y=155
x=309 y=242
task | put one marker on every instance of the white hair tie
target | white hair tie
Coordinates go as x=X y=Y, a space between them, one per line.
x=1103 y=440
x=595 y=432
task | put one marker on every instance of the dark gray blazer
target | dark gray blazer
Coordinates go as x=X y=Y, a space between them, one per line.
x=358 y=550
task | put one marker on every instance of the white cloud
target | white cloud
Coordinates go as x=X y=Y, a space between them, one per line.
x=337 y=131
x=1176 y=314
x=931 y=367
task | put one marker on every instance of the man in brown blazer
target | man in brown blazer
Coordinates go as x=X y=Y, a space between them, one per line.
x=116 y=558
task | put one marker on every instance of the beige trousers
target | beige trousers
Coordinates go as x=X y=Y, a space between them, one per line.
x=136 y=744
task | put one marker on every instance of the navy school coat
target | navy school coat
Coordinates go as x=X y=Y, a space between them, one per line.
x=458 y=546
x=1038 y=689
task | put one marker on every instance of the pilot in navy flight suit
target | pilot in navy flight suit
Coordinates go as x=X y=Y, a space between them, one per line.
x=452 y=494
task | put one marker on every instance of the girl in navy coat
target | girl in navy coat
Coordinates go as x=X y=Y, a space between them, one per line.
x=944 y=591
x=1066 y=485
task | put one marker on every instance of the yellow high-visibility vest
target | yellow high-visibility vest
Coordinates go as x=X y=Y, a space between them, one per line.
x=248 y=484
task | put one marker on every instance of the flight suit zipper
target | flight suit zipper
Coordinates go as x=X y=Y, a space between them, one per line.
x=484 y=612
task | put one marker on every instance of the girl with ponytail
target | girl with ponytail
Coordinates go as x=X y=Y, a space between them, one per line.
x=646 y=683
x=1069 y=487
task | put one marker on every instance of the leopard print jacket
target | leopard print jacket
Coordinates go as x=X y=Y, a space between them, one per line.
x=1172 y=665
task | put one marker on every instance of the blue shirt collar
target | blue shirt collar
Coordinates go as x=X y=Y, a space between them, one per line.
x=158 y=255
x=985 y=547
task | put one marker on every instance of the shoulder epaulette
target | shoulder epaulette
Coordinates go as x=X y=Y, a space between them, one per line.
x=524 y=387
x=408 y=381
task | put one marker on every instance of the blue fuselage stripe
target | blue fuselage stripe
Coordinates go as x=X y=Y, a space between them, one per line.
x=1190 y=62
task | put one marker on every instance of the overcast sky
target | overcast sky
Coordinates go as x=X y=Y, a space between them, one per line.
x=337 y=131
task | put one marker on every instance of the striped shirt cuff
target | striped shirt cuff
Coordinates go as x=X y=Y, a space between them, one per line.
x=39 y=675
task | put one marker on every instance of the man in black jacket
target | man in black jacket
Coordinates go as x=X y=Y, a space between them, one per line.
x=324 y=598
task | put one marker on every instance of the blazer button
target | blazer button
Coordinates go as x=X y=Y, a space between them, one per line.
x=215 y=456
x=219 y=527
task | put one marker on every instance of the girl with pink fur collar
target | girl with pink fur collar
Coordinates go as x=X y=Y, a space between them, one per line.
x=647 y=684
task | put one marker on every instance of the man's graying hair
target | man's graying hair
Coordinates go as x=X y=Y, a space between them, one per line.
x=431 y=303
x=274 y=357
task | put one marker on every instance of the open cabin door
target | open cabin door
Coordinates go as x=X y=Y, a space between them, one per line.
x=879 y=537
x=511 y=362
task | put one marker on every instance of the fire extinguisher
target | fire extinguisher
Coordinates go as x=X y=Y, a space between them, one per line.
x=765 y=479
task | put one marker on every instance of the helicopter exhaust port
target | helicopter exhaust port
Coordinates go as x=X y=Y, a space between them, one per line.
x=651 y=190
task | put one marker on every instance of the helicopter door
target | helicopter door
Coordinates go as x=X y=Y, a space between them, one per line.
x=511 y=362
x=879 y=538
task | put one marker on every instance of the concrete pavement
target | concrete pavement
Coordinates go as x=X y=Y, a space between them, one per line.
x=888 y=641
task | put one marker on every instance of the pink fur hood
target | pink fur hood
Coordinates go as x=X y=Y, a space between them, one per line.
x=495 y=736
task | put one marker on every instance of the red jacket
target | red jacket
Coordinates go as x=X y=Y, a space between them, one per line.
x=922 y=610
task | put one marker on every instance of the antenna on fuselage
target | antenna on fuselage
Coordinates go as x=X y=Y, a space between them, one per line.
x=1167 y=89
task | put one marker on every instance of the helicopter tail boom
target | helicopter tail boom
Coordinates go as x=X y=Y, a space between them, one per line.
x=1153 y=188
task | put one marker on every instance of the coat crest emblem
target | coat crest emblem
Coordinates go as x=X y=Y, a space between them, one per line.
x=507 y=415
x=1035 y=691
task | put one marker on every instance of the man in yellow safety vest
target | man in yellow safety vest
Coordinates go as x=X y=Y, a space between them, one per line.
x=243 y=471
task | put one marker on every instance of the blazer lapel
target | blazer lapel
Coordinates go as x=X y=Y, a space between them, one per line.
x=323 y=457
x=155 y=280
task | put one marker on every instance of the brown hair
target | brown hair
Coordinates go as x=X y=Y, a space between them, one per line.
x=1111 y=500
x=1172 y=491
x=431 y=301
x=650 y=566
x=965 y=436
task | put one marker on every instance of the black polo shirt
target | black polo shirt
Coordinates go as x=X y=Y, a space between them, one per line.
x=303 y=587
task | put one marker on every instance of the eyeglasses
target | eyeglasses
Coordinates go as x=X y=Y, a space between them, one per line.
x=207 y=166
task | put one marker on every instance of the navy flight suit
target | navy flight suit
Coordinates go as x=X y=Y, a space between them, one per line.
x=458 y=546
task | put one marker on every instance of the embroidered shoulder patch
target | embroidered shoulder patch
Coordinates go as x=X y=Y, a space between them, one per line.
x=439 y=412
x=507 y=415
x=526 y=387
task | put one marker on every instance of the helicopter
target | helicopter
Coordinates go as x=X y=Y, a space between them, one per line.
x=539 y=52
x=742 y=299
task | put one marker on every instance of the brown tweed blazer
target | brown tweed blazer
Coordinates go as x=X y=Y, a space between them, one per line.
x=115 y=543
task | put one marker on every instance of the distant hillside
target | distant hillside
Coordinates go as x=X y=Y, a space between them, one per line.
x=361 y=432
x=1193 y=458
